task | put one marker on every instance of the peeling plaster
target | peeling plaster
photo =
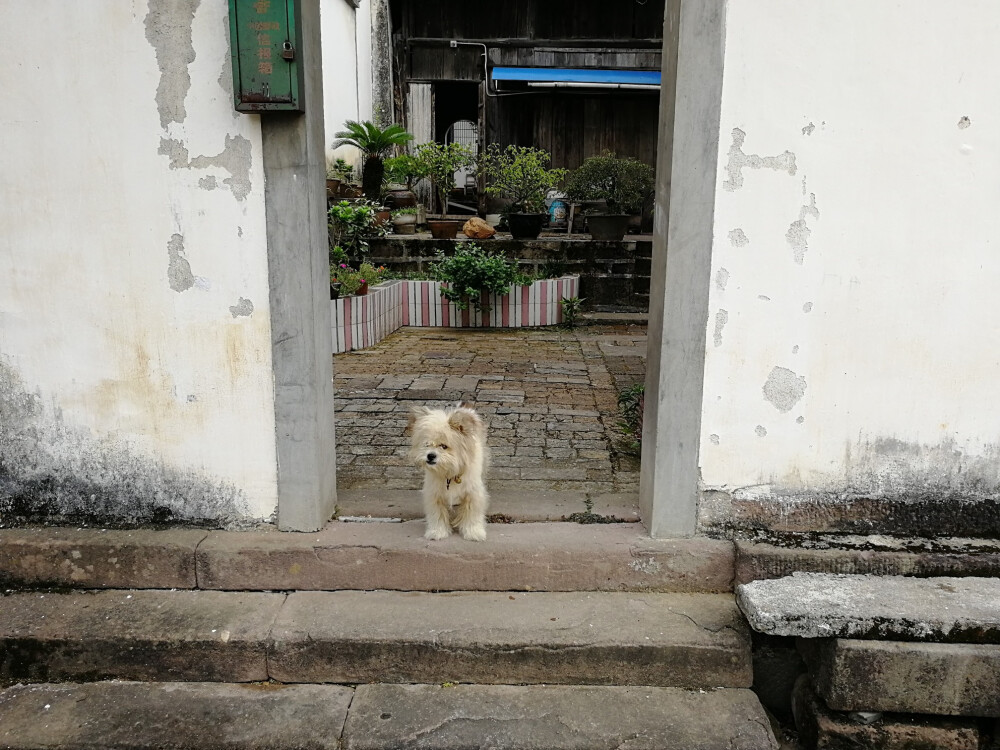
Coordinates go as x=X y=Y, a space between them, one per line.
x=760 y=430
x=795 y=349
x=721 y=318
x=738 y=161
x=169 y=32
x=208 y=183
x=800 y=420
x=243 y=308
x=799 y=231
x=713 y=439
x=738 y=238
x=807 y=307
x=964 y=123
x=763 y=298
x=235 y=158
x=54 y=470
x=178 y=269
x=808 y=129
x=784 y=389
x=721 y=279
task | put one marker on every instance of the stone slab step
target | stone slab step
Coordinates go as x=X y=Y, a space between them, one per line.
x=674 y=640
x=822 y=605
x=197 y=716
x=951 y=679
x=364 y=556
x=858 y=554
x=514 y=557
x=531 y=506
x=173 y=716
x=386 y=717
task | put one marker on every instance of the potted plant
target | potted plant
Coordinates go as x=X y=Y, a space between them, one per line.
x=623 y=183
x=441 y=162
x=404 y=170
x=470 y=271
x=404 y=220
x=375 y=143
x=521 y=174
x=352 y=224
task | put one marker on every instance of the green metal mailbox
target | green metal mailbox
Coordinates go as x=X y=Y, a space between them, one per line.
x=267 y=62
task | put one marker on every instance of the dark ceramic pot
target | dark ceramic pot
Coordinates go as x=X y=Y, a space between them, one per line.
x=607 y=227
x=525 y=226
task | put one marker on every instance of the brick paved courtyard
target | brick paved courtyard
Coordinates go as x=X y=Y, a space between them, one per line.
x=549 y=397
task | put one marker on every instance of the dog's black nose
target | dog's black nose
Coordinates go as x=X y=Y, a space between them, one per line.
x=432 y=458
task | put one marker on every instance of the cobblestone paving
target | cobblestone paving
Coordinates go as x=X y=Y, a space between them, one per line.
x=549 y=396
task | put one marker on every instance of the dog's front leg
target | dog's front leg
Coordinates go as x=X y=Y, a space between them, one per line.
x=436 y=514
x=471 y=520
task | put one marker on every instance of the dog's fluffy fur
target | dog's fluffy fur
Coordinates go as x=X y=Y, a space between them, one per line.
x=450 y=446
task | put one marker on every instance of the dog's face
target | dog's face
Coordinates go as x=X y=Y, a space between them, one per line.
x=446 y=441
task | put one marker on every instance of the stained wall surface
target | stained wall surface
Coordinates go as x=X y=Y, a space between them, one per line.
x=135 y=344
x=347 y=69
x=853 y=340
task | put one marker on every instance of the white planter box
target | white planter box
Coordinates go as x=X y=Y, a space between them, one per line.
x=359 y=322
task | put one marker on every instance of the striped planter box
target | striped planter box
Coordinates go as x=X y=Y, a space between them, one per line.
x=359 y=322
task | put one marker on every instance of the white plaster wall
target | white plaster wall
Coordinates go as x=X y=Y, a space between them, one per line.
x=855 y=248
x=134 y=320
x=347 y=78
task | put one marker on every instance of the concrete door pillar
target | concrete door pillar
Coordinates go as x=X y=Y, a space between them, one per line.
x=301 y=344
x=687 y=165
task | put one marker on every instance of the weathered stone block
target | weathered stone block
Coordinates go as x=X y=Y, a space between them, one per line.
x=821 y=728
x=957 y=679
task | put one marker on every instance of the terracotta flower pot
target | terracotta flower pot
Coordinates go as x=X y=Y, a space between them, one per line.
x=362 y=290
x=607 y=227
x=444 y=229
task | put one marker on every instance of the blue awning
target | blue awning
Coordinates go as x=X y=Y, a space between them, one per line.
x=579 y=76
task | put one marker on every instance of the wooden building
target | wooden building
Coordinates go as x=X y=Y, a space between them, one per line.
x=557 y=74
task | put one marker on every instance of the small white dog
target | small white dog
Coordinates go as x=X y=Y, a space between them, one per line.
x=450 y=445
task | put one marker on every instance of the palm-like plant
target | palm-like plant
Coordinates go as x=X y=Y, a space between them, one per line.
x=375 y=143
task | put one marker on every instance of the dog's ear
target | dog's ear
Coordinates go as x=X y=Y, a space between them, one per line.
x=466 y=421
x=416 y=413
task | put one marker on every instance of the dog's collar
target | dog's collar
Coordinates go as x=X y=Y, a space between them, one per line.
x=456 y=480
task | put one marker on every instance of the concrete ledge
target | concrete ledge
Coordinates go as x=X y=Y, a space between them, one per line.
x=667 y=640
x=950 y=679
x=818 y=605
x=385 y=717
x=90 y=558
x=525 y=557
x=138 y=635
x=867 y=555
x=173 y=716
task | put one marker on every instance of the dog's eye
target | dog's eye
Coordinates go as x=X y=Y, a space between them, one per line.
x=443 y=447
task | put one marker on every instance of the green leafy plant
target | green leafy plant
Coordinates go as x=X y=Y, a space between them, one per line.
x=631 y=401
x=521 y=174
x=441 y=162
x=337 y=256
x=405 y=169
x=570 y=311
x=340 y=170
x=623 y=182
x=409 y=211
x=470 y=271
x=352 y=224
x=375 y=143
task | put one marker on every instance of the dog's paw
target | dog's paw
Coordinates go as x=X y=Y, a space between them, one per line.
x=434 y=533
x=474 y=532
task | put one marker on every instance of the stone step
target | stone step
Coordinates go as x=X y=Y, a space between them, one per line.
x=366 y=556
x=515 y=505
x=864 y=554
x=671 y=640
x=120 y=715
x=822 y=605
